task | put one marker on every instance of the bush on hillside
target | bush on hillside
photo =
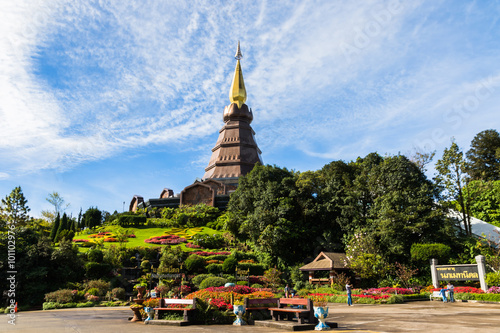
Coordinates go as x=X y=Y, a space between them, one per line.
x=95 y=270
x=213 y=282
x=131 y=220
x=215 y=241
x=60 y=296
x=116 y=293
x=101 y=285
x=229 y=265
x=214 y=269
x=198 y=279
x=254 y=269
x=95 y=255
x=194 y=263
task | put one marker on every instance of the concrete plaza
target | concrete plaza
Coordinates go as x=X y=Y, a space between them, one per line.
x=426 y=316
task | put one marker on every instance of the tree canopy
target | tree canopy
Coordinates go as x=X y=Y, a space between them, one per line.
x=484 y=160
x=14 y=208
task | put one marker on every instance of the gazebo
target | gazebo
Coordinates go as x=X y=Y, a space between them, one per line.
x=326 y=261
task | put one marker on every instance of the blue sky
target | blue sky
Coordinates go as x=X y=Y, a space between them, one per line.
x=102 y=100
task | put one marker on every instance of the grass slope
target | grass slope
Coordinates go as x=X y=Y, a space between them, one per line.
x=143 y=233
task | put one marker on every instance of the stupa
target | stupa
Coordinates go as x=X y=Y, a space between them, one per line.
x=234 y=155
x=235 y=152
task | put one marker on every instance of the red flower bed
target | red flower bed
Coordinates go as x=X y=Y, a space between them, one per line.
x=389 y=290
x=81 y=240
x=131 y=236
x=193 y=246
x=111 y=240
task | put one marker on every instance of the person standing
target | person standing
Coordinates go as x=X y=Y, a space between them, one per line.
x=451 y=292
x=349 y=296
x=442 y=292
x=287 y=291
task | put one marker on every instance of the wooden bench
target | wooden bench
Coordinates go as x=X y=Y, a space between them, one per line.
x=285 y=310
x=259 y=304
x=166 y=305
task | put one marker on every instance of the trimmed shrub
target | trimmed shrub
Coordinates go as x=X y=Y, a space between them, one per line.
x=214 y=269
x=131 y=220
x=194 y=263
x=242 y=283
x=213 y=282
x=229 y=265
x=422 y=253
x=59 y=296
x=395 y=299
x=256 y=285
x=220 y=257
x=215 y=241
x=198 y=279
x=255 y=269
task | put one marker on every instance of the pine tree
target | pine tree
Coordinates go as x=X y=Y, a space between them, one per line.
x=484 y=162
x=55 y=228
x=14 y=207
x=62 y=226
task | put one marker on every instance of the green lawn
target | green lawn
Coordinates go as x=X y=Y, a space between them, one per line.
x=143 y=233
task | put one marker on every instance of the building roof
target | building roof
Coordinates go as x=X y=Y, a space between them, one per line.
x=326 y=261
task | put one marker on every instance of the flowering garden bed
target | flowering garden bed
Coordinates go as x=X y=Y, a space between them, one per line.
x=223 y=297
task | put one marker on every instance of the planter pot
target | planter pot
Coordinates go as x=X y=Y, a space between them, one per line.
x=150 y=312
x=140 y=292
x=239 y=311
x=321 y=313
x=137 y=314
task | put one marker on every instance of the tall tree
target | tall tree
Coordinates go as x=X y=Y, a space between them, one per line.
x=452 y=178
x=275 y=214
x=92 y=217
x=14 y=207
x=404 y=210
x=58 y=202
x=484 y=163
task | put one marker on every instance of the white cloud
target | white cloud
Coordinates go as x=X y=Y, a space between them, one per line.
x=81 y=81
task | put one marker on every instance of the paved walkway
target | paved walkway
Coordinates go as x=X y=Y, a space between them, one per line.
x=409 y=317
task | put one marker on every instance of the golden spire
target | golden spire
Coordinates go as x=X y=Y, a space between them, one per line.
x=238 y=93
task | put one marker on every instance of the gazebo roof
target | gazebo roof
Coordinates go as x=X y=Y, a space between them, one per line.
x=326 y=261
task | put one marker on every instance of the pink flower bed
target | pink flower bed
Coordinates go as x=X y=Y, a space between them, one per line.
x=165 y=239
x=81 y=240
x=494 y=290
x=193 y=246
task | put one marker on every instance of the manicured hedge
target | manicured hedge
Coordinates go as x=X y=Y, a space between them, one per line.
x=423 y=252
x=131 y=220
x=255 y=269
